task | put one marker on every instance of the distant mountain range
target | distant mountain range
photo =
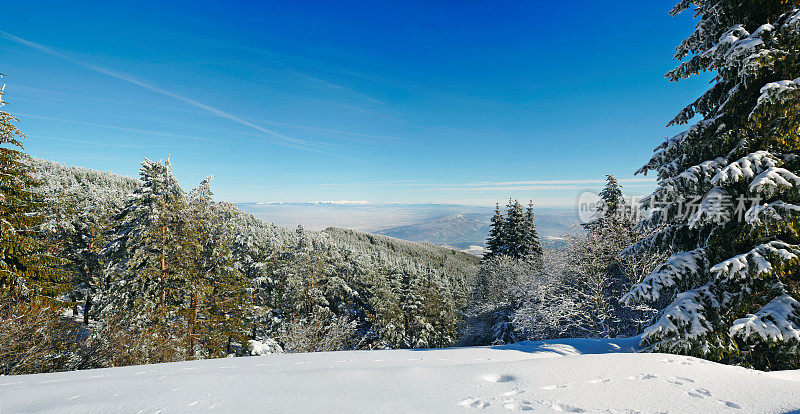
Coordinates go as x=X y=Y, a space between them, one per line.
x=462 y=227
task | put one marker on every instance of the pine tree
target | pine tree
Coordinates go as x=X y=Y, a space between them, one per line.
x=217 y=293
x=30 y=267
x=495 y=243
x=734 y=277
x=148 y=254
x=84 y=250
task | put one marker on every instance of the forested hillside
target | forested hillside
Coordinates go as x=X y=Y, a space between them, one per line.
x=174 y=275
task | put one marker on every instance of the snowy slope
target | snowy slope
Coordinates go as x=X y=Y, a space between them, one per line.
x=554 y=376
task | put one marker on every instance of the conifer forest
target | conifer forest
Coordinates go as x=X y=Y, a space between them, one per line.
x=101 y=270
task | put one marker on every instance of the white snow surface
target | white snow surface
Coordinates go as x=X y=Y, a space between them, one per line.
x=570 y=375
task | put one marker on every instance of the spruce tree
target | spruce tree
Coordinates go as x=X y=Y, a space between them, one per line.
x=612 y=197
x=30 y=267
x=495 y=243
x=514 y=229
x=727 y=203
x=531 y=245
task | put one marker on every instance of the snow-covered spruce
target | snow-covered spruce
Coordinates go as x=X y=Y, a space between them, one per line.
x=734 y=275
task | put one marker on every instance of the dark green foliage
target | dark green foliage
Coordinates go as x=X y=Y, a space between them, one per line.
x=514 y=234
x=31 y=266
x=734 y=276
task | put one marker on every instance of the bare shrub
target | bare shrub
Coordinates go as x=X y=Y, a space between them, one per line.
x=39 y=339
x=318 y=332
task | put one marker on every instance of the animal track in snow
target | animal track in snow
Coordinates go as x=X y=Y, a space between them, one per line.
x=729 y=404
x=642 y=377
x=566 y=408
x=553 y=387
x=699 y=393
x=517 y=405
x=497 y=377
x=474 y=403
x=677 y=362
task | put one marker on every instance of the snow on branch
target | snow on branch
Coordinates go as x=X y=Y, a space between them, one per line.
x=777 y=321
x=793 y=21
x=669 y=155
x=745 y=167
x=757 y=262
x=774 y=211
x=694 y=178
x=684 y=318
x=734 y=46
x=714 y=209
x=774 y=180
x=679 y=267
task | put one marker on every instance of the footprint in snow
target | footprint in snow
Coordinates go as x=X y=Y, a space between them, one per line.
x=553 y=387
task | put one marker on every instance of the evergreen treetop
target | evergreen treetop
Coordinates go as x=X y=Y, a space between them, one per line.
x=513 y=234
x=612 y=197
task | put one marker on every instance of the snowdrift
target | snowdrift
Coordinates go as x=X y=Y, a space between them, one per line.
x=571 y=375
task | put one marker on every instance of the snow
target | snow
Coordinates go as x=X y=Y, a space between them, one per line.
x=756 y=261
x=774 y=180
x=570 y=375
x=268 y=346
x=777 y=88
x=685 y=313
x=678 y=267
x=779 y=320
x=756 y=214
x=745 y=167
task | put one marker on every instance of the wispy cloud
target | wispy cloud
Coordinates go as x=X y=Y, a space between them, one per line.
x=121 y=128
x=336 y=86
x=279 y=137
x=527 y=185
x=563 y=182
x=81 y=142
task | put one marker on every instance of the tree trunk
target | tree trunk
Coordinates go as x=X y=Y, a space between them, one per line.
x=193 y=318
x=86 y=306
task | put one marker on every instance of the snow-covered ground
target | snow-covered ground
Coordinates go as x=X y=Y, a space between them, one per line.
x=569 y=375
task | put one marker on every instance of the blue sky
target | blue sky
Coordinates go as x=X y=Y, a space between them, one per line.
x=455 y=102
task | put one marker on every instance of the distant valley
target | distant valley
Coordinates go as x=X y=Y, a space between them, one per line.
x=460 y=227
